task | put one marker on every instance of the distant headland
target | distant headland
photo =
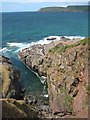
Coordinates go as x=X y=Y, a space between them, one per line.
x=78 y=8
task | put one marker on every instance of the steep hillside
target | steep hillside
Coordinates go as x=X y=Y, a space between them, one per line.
x=65 y=64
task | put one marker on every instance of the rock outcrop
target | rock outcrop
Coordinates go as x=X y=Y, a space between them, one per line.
x=12 y=108
x=65 y=64
x=12 y=103
x=9 y=78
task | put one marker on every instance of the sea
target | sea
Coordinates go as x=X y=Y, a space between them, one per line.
x=24 y=29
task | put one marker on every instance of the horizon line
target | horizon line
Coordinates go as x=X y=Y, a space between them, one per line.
x=40 y=8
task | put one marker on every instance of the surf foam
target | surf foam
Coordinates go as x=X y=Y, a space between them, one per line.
x=24 y=45
x=4 y=50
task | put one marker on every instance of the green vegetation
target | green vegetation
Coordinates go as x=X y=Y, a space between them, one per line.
x=67 y=102
x=63 y=48
x=85 y=41
x=66 y=9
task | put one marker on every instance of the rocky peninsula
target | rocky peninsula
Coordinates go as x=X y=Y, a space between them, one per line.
x=64 y=64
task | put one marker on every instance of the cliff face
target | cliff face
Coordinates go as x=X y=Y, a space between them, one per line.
x=67 y=80
x=65 y=64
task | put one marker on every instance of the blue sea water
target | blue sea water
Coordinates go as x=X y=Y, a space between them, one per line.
x=21 y=29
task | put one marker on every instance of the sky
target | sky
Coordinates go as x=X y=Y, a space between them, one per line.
x=34 y=5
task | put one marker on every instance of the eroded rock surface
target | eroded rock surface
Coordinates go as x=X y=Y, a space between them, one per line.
x=9 y=78
x=65 y=64
x=12 y=101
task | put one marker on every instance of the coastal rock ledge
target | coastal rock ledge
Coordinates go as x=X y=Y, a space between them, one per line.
x=65 y=64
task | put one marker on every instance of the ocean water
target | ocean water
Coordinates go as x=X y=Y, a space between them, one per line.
x=24 y=29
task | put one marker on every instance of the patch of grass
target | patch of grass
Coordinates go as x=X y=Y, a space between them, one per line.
x=85 y=41
x=67 y=102
x=61 y=49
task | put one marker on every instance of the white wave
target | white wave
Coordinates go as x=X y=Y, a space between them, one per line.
x=74 y=37
x=4 y=50
x=19 y=46
x=14 y=44
x=24 y=45
x=46 y=96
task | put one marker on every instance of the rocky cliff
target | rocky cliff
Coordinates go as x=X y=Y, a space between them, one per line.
x=65 y=64
x=12 y=104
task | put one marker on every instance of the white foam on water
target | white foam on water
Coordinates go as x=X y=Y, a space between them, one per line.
x=46 y=96
x=19 y=46
x=74 y=37
x=4 y=49
x=24 y=45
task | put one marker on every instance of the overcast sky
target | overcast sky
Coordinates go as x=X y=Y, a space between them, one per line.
x=34 y=5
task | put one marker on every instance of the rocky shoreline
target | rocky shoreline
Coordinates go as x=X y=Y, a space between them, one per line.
x=64 y=64
x=14 y=98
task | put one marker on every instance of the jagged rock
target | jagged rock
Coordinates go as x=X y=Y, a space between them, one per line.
x=62 y=65
x=10 y=77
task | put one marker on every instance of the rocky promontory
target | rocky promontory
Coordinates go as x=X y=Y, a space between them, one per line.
x=65 y=65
